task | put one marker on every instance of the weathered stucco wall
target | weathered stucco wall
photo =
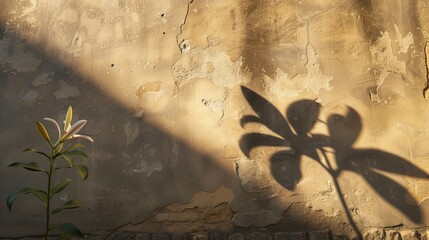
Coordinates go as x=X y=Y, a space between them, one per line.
x=223 y=115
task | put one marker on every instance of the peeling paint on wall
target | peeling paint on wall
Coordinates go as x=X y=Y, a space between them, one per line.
x=385 y=62
x=161 y=85
x=403 y=42
x=132 y=131
x=30 y=96
x=208 y=63
x=42 y=79
x=66 y=91
x=141 y=162
x=17 y=57
x=312 y=81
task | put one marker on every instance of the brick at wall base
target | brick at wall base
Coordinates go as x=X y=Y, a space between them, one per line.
x=371 y=234
x=321 y=235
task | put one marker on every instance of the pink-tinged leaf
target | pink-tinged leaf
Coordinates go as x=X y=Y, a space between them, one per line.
x=74 y=129
x=83 y=136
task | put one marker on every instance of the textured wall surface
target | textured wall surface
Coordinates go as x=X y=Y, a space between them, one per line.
x=223 y=115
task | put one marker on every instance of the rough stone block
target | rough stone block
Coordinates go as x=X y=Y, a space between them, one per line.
x=94 y=237
x=291 y=236
x=340 y=237
x=393 y=235
x=159 y=236
x=258 y=236
x=142 y=236
x=200 y=236
x=122 y=236
x=320 y=235
x=410 y=235
x=28 y=238
x=422 y=234
x=281 y=236
x=236 y=236
x=298 y=236
x=218 y=236
x=179 y=236
x=374 y=234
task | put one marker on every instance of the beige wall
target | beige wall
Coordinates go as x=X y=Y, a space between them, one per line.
x=336 y=98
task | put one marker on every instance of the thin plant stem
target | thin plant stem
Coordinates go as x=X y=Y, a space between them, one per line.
x=48 y=214
x=340 y=195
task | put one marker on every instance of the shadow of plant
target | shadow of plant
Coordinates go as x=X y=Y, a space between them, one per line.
x=294 y=135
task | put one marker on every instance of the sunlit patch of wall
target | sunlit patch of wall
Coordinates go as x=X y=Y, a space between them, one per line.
x=127 y=49
x=180 y=66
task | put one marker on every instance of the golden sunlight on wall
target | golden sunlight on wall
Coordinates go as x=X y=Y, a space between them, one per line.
x=312 y=104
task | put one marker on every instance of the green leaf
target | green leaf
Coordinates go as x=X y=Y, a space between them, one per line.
x=82 y=170
x=59 y=154
x=43 y=131
x=68 y=229
x=76 y=153
x=69 y=116
x=57 y=149
x=31 y=166
x=60 y=186
x=59 y=168
x=68 y=205
x=68 y=156
x=36 y=192
x=34 y=150
x=76 y=145
x=69 y=160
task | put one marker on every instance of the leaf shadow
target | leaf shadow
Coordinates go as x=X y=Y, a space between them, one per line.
x=293 y=133
x=372 y=164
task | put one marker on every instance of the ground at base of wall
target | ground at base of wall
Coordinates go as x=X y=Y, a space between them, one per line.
x=372 y=234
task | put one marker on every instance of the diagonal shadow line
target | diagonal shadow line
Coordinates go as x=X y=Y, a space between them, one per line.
x=115 y=198
x=106 y=109
x=119 y=189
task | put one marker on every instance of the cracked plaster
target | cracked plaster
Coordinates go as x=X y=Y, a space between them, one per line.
x=160 y=84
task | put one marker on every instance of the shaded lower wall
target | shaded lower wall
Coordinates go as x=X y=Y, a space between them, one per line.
x=227 y=116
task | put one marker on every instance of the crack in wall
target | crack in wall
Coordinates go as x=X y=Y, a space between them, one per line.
x=426 y=89
x=217 y=68
x=183 y=44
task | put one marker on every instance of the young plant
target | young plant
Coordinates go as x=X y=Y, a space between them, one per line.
x=61 y=149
